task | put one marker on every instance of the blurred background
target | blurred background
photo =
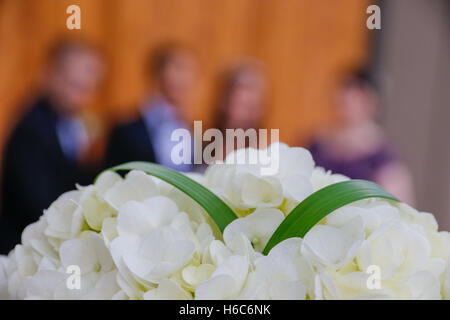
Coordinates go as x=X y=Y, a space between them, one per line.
x=304 y=47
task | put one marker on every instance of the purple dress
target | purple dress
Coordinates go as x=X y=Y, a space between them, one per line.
x=364 y=167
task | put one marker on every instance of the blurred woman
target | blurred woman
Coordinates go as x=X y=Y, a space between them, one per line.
x=356 y=146
x=241 y=101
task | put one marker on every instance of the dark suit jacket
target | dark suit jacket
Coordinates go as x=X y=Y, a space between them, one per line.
x=35 y=172
x=129 y=142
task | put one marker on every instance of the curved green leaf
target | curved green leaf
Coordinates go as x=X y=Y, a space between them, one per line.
x=216 y=208
x=322 y=202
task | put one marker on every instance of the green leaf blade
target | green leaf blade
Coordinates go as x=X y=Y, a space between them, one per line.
x=321 y=203
x=214 y=206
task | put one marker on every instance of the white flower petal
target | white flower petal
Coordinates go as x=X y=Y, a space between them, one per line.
x=332 y=246
x=258 y=227
x=137 y=186
x=259 y=192
x=167 y=290
x=226 y=282
x=195 y=275
x=424 y=286
x=296 y=187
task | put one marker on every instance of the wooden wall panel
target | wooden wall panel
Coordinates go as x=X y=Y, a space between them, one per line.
x=303 y=43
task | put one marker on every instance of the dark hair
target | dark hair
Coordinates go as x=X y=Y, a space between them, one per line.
x=359 y=78
x=226 y=82
x=64 y=47
x=159 y=57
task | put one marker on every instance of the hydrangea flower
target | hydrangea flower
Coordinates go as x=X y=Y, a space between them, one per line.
x=138 y=237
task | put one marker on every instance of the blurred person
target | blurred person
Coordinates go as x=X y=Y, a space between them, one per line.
x=148 y=138
x=357 y=146
x=42 y=156
x=241 y=99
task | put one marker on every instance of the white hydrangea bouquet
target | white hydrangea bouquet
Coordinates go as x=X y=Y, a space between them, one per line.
x=231 y=233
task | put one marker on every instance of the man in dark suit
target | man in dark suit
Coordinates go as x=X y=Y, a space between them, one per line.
x=130 y=142
x=148 y=138
x=41 y=158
